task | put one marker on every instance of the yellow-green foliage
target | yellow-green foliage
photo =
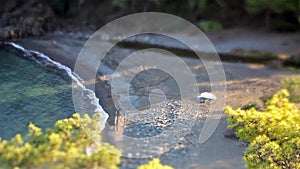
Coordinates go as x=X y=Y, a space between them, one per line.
x=277 y=6
x=210 y=26
x=65 y=146
x=274 y=133
x=292 y=84
x=154 y=164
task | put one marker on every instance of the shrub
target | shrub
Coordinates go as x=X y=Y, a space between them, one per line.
x=292 y=84
x=274 y=133
x=294 y=60
x=64 y=146
x=154 y=164
x=210 y=26
x=119 y=3
x=201 y=4
x=250 y=105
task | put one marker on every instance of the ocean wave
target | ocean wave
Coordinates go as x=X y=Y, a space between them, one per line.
x=42 y=58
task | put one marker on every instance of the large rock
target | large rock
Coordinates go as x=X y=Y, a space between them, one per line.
x=25 y=18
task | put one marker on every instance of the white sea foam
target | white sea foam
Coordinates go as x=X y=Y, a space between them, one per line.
x=78 y=81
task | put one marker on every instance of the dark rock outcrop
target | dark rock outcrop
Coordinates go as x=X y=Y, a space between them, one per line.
x=22 y=18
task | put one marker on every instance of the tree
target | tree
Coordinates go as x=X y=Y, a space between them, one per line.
x=272 y=6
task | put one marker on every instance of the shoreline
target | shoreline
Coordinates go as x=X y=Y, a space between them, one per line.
x=67 y=56
x=246 y=82
x=45 y=60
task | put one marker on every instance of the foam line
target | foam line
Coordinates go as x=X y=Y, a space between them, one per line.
x=91 y=94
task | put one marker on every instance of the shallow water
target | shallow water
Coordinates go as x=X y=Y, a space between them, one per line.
x=31 y=93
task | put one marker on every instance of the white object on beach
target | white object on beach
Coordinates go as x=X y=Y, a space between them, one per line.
x=206 y=96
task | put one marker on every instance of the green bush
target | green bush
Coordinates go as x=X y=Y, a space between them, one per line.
x=154 y=164
x=201 y=4
x=64 y=146
x=119 y=3
x=210 y=26
x=250 y=105
x=274 y=133
x=292 y=84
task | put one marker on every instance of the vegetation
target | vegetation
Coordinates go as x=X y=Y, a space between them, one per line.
x=201 y=9
x=277 y=6
x=281 y=15
x=48 y=15
x=154 y=164
x=210 y=26
x=274 y=6
x=294 y=60
x=66 y=145
x=292 y=84
x=250 y=105
x=274 y=133
x=65 y=7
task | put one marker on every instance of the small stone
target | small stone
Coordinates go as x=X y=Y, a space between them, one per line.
x=230 y=134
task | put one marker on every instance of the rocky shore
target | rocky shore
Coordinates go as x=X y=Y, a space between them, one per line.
x=245 y=82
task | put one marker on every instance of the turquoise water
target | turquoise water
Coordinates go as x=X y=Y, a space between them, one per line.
x=31 y=93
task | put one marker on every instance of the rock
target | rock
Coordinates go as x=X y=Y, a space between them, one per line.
x=244 y=144
x=26 y=18
x=9 y=32
x=31 y=27
x=230 y=134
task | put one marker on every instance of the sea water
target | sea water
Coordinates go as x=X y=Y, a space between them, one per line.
x=31 y=93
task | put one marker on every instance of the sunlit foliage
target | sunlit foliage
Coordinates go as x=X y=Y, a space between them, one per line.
x=154 y=164
x=210 y=26
x=274 y=133
x=64 y=146
x=292 y=84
